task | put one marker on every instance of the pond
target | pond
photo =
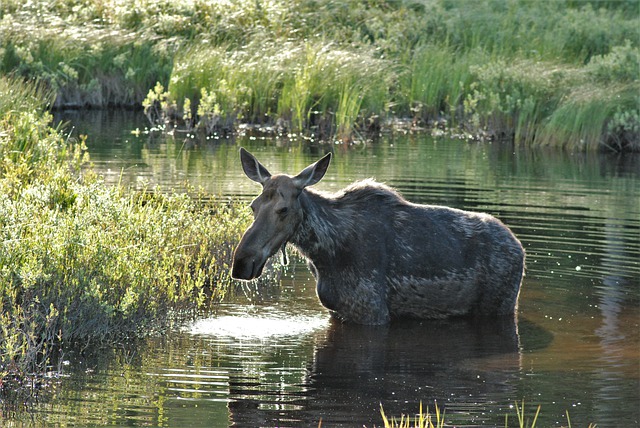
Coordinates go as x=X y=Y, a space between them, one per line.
x=270 y=355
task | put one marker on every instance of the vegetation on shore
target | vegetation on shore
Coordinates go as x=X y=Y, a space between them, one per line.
x=560 y=73
x=85 y=263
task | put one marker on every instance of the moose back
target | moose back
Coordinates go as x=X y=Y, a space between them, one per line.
x=376 y=256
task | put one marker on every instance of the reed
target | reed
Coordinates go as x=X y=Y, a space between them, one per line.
x=421 y=420
x=590 y=119
x=349 y=103
x=289 y=81
x=436 y=81
x=436 y=419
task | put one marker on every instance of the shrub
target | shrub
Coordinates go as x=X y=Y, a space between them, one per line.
x=622 y=64
x=81 y=261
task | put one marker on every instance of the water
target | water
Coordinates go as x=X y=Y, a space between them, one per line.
x=272 y=357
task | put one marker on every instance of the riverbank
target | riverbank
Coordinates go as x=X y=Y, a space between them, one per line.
x=85 y=263
x=562 y=74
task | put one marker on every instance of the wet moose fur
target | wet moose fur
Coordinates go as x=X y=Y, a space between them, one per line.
x=376 y=256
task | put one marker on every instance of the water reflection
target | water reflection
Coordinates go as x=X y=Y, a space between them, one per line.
x=349 y=370
x=358 y=368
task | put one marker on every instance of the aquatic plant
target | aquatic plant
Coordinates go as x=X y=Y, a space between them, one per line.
x=421 y=420
x=520 y=414
x=427 y=419
x=436 y=81
x=594 y=116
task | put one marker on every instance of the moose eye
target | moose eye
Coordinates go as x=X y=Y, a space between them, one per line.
x=282 y=211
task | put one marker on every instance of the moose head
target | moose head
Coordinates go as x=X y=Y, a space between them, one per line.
x=277 y=213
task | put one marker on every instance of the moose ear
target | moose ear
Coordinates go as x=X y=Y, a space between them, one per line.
x=254 y=169
x=313 y=173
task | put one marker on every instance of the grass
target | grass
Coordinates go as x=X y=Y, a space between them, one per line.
x=421 y=420
x=306 y=85
x=510 y=70
x=83 y=263
x=437 y=420
x=436 y=81
x=84 y=63
x=520 y=415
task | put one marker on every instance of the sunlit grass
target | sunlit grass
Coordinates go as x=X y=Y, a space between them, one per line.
x=509 y=70
x=23 y=121
x=421 y=420
x=307 y=85
x=83 y=65
x=585 y=119
x=523 y=422
x=436 y=419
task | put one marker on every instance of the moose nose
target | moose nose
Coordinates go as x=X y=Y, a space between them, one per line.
x=243 y=269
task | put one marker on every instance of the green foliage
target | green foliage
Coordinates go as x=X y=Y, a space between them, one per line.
x=310 y=64
x=515 y=97
x=622 y=64
x=157 y=105
x=590 y=117
x=83 y=63
x=84 y=262
x=436 y=81
x=267 y=81
x=25 y=136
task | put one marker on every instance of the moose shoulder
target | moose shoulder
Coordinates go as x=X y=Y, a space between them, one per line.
x=376 y=256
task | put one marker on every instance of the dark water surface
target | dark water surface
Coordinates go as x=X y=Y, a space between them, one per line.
x=272 y=357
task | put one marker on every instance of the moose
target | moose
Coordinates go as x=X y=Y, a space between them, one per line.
x=376 y=256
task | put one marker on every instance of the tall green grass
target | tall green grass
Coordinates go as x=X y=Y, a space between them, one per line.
x=510 y=70
x=308 y=85
x=592 y=120
x=436 y=81
x=85 y=65
x=566 y=31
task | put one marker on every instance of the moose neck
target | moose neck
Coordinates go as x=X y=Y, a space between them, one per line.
x=324 y=226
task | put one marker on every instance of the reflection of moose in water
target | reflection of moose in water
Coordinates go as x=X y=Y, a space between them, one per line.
x=468 y=366
x=376 y=256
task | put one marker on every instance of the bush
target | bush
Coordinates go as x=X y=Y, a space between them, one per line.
x=622 y=64
x=83 y=262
